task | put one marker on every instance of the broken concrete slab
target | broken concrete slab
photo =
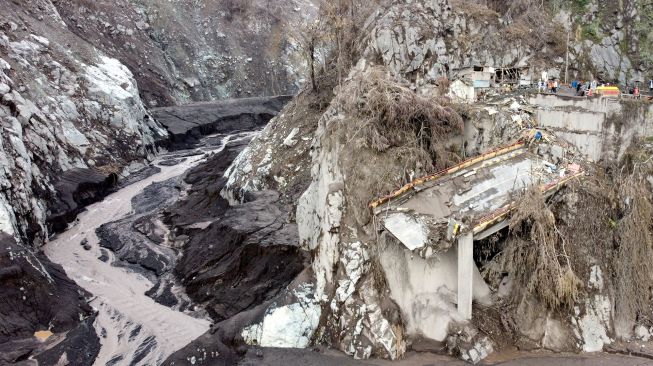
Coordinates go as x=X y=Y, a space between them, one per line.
x=411 y=231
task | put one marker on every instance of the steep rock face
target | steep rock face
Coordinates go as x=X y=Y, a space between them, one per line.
x=63 y=112
x=72 y=121
x=425 y=40
x=187 y=50
x=342 y=263
x=610 y=40
x=409 y=34
x=283 y=145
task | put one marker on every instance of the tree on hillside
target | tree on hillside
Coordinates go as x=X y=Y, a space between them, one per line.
x=333 y=34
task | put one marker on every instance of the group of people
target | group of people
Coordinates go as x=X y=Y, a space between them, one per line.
x=584 y=88
x=634 y=88
x=550 y=86
x=587 y=88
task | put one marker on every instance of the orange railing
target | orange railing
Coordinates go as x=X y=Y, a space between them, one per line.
x=465 y=164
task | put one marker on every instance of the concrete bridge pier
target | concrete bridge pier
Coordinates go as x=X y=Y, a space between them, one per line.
x=465 y=274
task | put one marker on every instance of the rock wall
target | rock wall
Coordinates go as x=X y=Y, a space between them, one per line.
x=610 y=40
x=425 y=40
x=62 y=113
x=72 y=122
x=187 y=50
x=428 y=39
x=600 y=128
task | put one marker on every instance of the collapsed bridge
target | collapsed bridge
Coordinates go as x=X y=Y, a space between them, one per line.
x=467 y=203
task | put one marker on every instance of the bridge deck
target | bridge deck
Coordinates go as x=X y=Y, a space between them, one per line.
x=477 y=195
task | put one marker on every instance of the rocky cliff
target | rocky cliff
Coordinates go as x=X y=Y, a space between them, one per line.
x=65 y=109
x=388 y=122
x=72 y=122
x=608 y=41
x=301 y=258
x=182 y=51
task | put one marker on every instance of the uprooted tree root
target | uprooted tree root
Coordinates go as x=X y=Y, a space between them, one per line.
x=633 y=259
x=536 y=255
x=611 y=225
x=392 y=135
x=389 y=114
x=606 y=221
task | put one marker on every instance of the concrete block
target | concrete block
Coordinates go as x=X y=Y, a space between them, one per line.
x=465 y=274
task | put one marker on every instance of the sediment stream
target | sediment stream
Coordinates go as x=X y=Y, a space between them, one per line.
x=133 y=328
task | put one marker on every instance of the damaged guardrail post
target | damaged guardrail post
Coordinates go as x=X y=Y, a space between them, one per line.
x=465 y=274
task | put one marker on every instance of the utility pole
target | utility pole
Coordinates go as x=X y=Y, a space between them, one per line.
x=567 y=60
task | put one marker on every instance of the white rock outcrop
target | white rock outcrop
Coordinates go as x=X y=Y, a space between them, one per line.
x=287 y=326
x=320 y=208
x=60 y=112
x=593 y=325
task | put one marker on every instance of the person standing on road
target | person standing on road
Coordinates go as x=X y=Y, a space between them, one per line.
x=555 y=86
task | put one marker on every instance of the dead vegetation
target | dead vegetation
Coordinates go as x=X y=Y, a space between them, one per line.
x=606 y=221
x=330 y=42
x=633 y=259
x=387 y=134
x=475 y=10
x=536 y=255
x=390 y=115
x=534 y=27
